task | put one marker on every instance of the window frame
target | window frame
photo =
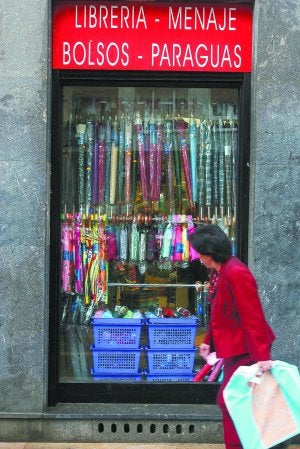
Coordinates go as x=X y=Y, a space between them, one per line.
x=188 y=393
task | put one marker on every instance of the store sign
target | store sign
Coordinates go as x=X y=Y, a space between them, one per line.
x=102 y=35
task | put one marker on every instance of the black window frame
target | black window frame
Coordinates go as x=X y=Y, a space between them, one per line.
x=187 y=393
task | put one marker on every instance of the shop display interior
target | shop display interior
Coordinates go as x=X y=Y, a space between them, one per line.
x=141 y=169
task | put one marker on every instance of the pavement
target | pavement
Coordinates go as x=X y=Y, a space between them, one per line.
x=109 y=446
x=45 y=445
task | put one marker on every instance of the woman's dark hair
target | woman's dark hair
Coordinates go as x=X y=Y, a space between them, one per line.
x=211 y=240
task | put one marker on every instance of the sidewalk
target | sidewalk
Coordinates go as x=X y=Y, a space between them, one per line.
x=109 y=446
x=116 y=446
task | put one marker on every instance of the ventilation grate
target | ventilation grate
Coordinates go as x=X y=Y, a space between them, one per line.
x=159 y=431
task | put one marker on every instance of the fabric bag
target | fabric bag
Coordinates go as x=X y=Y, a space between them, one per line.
x=265 y=408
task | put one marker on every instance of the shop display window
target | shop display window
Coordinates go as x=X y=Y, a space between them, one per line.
x=140 y=169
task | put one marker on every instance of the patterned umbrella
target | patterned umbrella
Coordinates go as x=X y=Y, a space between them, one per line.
x=202 y=168
x=88 y=162
x=80 y=131
x=221 y=168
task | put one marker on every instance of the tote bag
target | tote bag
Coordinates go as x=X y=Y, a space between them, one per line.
x=265 y=408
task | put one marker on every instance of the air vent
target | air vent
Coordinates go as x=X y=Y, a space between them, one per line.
x=159 y=431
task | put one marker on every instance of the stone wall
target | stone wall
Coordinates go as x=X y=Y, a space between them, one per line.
x=274 y=236
x=24 y=193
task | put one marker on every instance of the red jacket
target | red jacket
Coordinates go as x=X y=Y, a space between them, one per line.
x=237 y=322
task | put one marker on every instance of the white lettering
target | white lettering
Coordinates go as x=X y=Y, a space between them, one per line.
x=141 y=19
x=201 y=18
x=110 y=17
x=79 y=45
x=103 y=16
x=100 y=47
x=77 y=24
x=113 y=17
x=125 y=15
x=226 y=57
x=66 y=53
x=125 y=60
x=177 y=54
x=238 y=62
x=154 y=53
x=187 y=18
x=90 y=62
x=231 y=19
x=212 y=19
x=173 y=24
x=165 y=56
x=188 y=56
x=201 y=57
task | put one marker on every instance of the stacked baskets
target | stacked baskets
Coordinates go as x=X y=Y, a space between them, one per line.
x=171 y=351
x=169 y=355
x=116 y=350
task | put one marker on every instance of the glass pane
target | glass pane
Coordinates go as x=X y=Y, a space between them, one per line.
x=142 y=167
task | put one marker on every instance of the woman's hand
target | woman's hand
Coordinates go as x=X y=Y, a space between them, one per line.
x=265 y=365
x=204 y=350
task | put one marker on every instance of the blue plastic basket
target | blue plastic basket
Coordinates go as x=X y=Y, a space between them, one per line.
x=112 y=377
x=171 y=362
x=116 y=361
x=161 y=378
x=110 y=333
x=167 y=333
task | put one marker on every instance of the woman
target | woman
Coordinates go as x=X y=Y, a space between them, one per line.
x=238 y=331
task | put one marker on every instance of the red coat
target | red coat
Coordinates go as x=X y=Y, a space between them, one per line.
x=237 y=322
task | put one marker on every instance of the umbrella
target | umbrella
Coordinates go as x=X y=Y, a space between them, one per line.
x=202 y=169
x=142 y=157
x=66 y=249
x=134 y=167
x=77 y=255
x=177 y=165
x=113 y=164
x=128 y=158
x=121 y=159
x=95 y=173
x=208 y=175
x=168 y=150
x=215 y=163
x=142 y=251
x=221 y=167
x=88 y=162
x=123 y=243
x=228 y=168
x=158 y=158
x=134 y=242
x=80 y=130
x=108 y=145
x=152 y=160
x=184 y=157
x=101 y=163
x=193 y=156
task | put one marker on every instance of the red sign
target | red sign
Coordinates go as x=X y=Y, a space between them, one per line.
x=105 y=35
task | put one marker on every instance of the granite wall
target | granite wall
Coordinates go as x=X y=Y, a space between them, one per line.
x=24 y=200
x=274 y=238
x=24 y=189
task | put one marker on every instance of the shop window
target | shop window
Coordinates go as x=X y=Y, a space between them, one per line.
x=140 y=169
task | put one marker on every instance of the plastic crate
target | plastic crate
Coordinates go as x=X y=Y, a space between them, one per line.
x=161 y=378
x=116 y=361
x=117 y=332
x=172 y=332
x=172 y=362
x=112 y=377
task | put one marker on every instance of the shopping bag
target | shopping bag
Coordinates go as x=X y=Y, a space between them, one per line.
x=213 y=367
x=265 y=408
